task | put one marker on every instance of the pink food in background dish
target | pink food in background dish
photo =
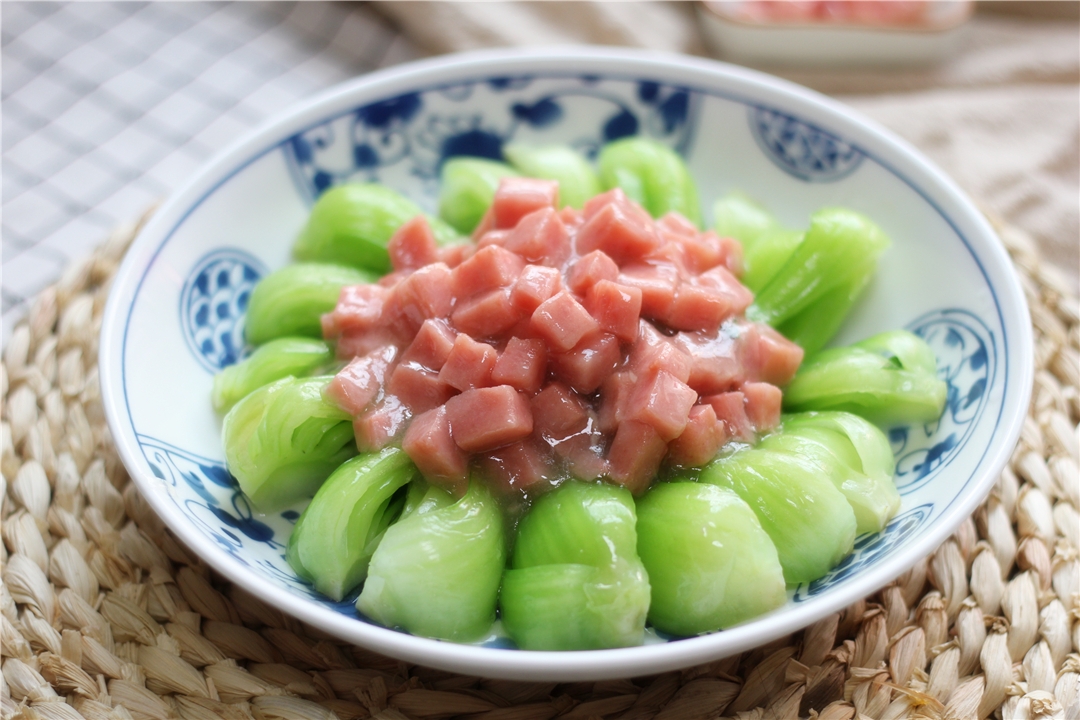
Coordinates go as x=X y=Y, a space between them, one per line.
x=845 y=12
x=594 y=344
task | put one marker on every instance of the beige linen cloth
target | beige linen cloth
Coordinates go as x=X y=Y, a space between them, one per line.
x=1002 y=116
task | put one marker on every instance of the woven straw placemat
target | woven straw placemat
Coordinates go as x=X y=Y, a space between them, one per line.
x=106 y=615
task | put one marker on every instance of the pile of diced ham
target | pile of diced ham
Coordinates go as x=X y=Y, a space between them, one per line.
x=562 y=343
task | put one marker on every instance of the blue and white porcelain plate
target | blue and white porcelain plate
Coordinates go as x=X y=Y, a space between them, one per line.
x=176 y=311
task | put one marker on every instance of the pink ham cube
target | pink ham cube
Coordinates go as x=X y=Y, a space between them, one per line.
x=590 y=269
x=714 y=366
x=768 y=356
x=381 y=425
x=359 y=382
x=486 y=315
x=540 y=237
x=762 y=405
x=663 y=402
x=522 y=466
x=413 y=245
x=730 y=409
x=469 y=364
x=701 y=440
x=429 y=444
x=431 y=346
x=653 y=352
x=352 y=344
x=657 y=284
x=563 y=322
x=558 y=413
x=614 y=395
x=584 y=456
x=617 y=308
x=488 y=418
x=699 y=308
x=536 y=284
x=585 y=366
x=523 y=364
x=454 y=255
x=622 y=230
x=491 y=267
x=635 y=455
x=426 y=293
x=516 y=197
x=417 y=388
x=598 y=202
x=358 y=309
x=723 y=282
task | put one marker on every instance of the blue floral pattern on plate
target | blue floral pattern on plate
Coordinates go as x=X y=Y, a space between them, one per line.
x=967 y=362
x=869 y=548
x=802 y=149
x=212 y=305
x=414 y=134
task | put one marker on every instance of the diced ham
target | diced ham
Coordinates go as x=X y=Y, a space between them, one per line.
x=622 y=230
x=635 y=455
x=571 y=217
x=429 y=444
x=653 y=352
x=558 y=413
x=657 y=284
x=614 y=394
x=446 y=351
x=431 y=345
x=540 y=237
x=663 y=402
x=516 y=197
x=522 y=466
x=358 y=383
x=454 y=255
x=590 y=269
x=722 y=281
x=522 y=364
x=358 y=309
x=491 y=267
x=469 y=364
x=426 y=293
x=730 y=409
x=535 y=285
x=493 y=237
x=598 y=202
x=381 y=425
x=768 y=356
x=705 y=251
x=701 y=440
x=417 y=388
x=762 y=405
x=413 y=245
x=699 y=308
x=352 y=344
x=677 y=224
x=486 y=315
x=563 y=322
x=584 y=456
x=617 y=308
x=585 y=366
x=714 y=366
x=487 y=418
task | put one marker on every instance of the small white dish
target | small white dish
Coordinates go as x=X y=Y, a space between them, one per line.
x=880 y=36
x=173 y=316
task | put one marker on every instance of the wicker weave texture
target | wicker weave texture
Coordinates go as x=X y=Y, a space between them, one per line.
x=105 y=615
